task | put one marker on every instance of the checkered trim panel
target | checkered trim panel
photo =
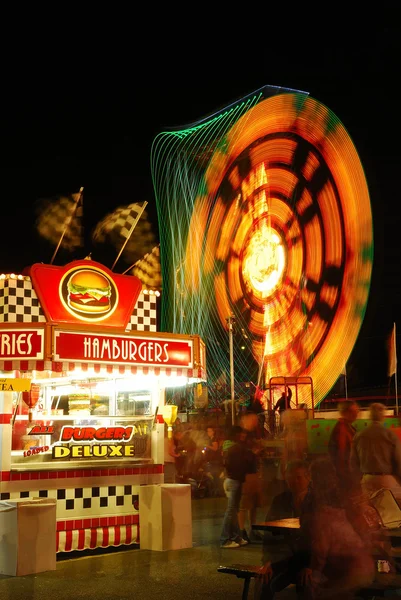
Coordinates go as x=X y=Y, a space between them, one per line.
x=144 y=317
x=92 y=531
x=93 y=500
x=19 y=302
x=81 y=503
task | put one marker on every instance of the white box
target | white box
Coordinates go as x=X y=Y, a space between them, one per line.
x=165 y=516
x=28 y=536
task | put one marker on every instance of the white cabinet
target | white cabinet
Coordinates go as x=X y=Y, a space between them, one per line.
x=28 y=536
x=165 y=516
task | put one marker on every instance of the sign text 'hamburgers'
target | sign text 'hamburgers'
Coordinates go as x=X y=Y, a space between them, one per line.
x=86 y=347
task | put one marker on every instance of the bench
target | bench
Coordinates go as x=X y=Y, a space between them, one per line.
x=386 y=585
x=245 y=572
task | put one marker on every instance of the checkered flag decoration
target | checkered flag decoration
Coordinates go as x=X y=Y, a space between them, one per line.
x=61 y=217
x=148 y=270
x=115 y=228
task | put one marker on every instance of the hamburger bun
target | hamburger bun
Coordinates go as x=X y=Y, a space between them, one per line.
x=90 y=279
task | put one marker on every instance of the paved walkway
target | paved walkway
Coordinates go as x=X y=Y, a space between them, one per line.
x=141 y=574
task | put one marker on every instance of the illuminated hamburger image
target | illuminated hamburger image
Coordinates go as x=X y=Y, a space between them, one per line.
x=89 y=292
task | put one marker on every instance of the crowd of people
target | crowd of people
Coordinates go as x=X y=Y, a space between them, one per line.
x=332 y=555
x=190 y=452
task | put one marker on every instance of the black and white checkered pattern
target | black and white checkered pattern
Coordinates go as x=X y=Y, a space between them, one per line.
x=82 y=502
x=115 y=229
x=144 y=317
x=61 y=219
x=20 y=304
x=120 y=221
x=148 y=270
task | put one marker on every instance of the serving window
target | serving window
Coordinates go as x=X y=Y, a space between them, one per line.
x=84 y=421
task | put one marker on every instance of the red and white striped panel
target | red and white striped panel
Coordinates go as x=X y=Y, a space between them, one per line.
x=111 y=369
x=127 y=369
x=97 y=537
x=30 y=365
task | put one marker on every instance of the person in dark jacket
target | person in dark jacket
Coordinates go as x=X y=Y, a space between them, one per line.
x=288 y=503
x=284 y=402
x=340 y=444
x=238 y=461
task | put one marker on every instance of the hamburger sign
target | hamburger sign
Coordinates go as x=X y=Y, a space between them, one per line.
x=89 y=292
x=85 y=291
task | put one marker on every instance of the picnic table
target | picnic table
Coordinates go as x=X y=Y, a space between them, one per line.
x=278 y=526
x=291 y=524
x=384 y=584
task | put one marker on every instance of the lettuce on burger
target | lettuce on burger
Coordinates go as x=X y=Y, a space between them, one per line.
x=89 y=292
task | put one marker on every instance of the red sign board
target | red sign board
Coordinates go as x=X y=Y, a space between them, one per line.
x=124 y=349
x=85 y=292
x=27 y=344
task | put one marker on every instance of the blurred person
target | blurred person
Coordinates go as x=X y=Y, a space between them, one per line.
x=282 y=405
x=178 y=424
x=182 y=448
x=211 y=445
x=296 y=501
x=237 y=463
x=194 y=445
x=252 y=492
x=376 y=455
x=288 y=503
x=169 y=460
x=340 y=442
x=340 y=562
x=284 y=402
x=213 y=460
x=260 y=406
x=249 y=422
x=295 y=436
x=174 y=459
x=257 y=405
x=331 y=560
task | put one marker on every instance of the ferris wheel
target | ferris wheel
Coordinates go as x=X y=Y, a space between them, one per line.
x=284 y=226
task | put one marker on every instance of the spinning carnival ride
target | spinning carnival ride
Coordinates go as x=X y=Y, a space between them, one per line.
x=264 y=215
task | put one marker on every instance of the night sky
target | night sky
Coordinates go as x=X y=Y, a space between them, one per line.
x=89 y=118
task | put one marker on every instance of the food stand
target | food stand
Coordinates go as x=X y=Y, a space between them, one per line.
x=83 y=373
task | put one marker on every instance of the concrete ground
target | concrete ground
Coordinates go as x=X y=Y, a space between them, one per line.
x=129 y=572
